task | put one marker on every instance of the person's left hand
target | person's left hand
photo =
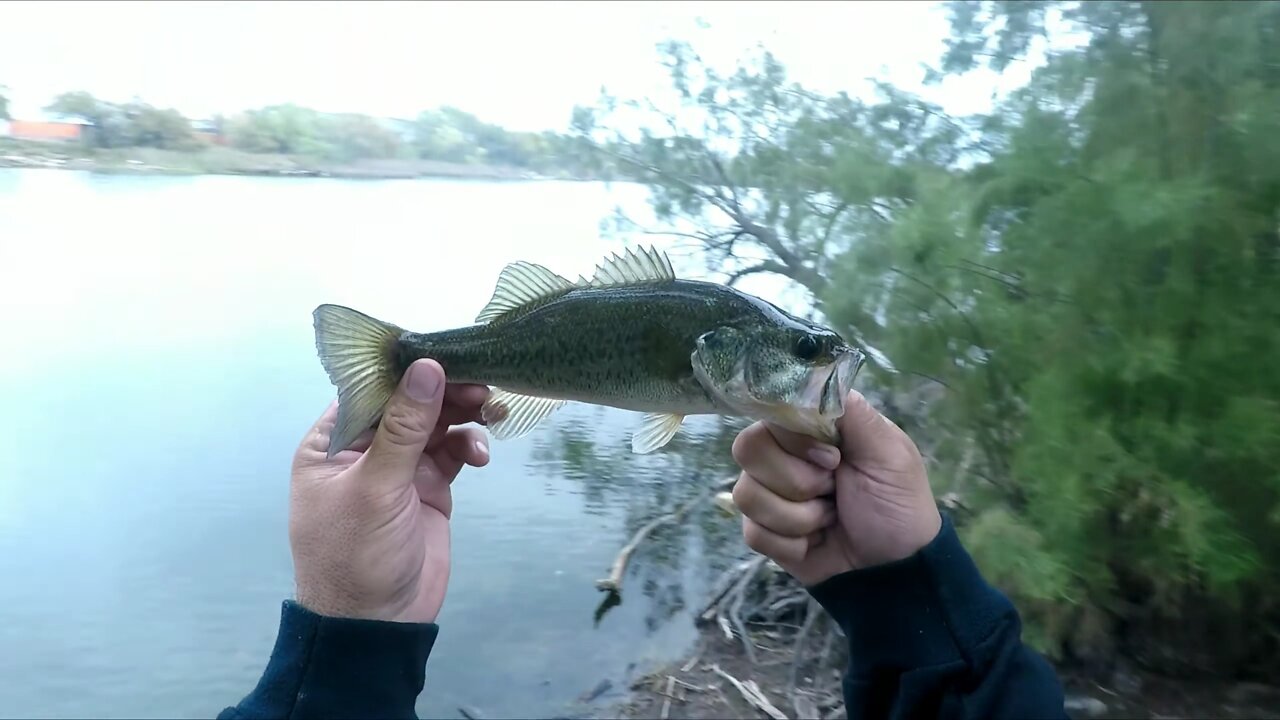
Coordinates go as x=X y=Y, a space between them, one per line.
x=369 y=528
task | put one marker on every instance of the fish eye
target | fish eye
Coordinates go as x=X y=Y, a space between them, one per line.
x=807 y=347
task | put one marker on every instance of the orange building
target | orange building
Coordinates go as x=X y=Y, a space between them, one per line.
x=44 y=130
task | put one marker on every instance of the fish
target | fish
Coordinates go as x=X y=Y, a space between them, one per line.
x=634 y=337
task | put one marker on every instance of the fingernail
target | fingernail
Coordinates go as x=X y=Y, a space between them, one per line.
x=423 y=383
x=825 y=456
x=482 y=449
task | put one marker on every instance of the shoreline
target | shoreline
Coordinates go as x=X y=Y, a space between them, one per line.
x=219 y=160
x=694 y=688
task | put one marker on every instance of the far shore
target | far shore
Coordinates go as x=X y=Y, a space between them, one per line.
x=228 y=161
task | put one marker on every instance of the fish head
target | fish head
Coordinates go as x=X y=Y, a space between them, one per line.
x=789 y=372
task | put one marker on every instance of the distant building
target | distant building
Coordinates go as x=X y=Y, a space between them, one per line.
x=48 y=128
x=209 y=131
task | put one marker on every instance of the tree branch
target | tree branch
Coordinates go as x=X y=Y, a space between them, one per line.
x=768 y=266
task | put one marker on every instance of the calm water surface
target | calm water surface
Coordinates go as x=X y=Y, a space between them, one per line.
x=158 y=371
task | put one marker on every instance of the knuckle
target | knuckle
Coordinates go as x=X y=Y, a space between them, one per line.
x=812 y=518
x=402 y=424
x=754 y=536
x=794 y=552
x=744 y=493
x=746 y=444
x=809 y=485
x=740 y=447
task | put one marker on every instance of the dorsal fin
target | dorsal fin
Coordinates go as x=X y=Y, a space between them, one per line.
x=634 y=267
x=522 y=283
x=519 y=284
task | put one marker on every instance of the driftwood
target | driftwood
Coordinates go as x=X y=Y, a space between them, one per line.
x=752 y=693
x=613 y=583
x=756 y=603
x=666 y=702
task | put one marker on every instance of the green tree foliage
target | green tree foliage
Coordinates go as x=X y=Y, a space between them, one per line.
x=286 y=129
x=446 y=135
x=132 y=124
x=148 y=126
x=1078 y=295
x=449 y=134
x=453 y=135
x=4 y=103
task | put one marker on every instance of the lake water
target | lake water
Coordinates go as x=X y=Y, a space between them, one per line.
x=158 y=371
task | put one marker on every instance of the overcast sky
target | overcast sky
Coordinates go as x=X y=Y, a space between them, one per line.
x=523 y=65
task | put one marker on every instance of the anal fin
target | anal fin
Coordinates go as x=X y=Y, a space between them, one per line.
x=656 y=430
x=510 y=415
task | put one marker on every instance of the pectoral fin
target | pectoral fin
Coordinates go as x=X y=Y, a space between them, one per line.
x=509 y=415
x=656 y=430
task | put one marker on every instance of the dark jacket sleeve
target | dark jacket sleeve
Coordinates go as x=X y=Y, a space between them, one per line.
x=929 y=638
x=325 y=667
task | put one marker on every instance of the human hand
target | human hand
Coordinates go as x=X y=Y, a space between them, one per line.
x=369 y=528
x=818 y=510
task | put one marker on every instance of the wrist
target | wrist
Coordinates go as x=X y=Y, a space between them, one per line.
x=928 y=608
x=331 y=604
x=926 y=527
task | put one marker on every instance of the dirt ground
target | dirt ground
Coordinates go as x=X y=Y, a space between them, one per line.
x=698 y=691
x=693 y=689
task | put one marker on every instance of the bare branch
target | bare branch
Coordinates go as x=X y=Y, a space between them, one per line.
x=767 y=266
x=613 y=583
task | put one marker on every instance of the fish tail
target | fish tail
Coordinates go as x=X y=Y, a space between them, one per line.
x=359 y=354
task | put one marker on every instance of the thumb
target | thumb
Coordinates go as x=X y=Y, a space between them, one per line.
x=407 y=423
x=868 y=437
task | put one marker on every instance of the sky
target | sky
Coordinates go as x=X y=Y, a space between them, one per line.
x=523 y=65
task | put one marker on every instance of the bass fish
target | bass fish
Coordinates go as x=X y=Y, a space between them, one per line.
x=634 y=337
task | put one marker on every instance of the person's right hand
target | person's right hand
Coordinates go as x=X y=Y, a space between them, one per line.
x=818 y=510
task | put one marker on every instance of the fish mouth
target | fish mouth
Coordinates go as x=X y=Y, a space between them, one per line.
x=828 y=386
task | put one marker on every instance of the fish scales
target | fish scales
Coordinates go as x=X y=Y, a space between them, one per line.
x=625 y=347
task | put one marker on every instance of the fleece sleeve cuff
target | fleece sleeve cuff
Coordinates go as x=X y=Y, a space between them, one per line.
x=931 y=608
x=342 y=667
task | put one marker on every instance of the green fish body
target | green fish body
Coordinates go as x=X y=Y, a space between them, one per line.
x=633 y=337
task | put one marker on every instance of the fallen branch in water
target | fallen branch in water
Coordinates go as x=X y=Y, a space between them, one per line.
x=737 y=597
x=752 y=694
x=666 y=702
x=613 y=583
x=726 y=606
x=722 y=586
x=797 y=701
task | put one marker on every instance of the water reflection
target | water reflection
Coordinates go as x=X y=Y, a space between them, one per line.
x=166 y=322
x=677 y=561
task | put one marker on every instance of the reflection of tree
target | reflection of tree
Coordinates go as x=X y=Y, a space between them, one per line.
x=678 y=561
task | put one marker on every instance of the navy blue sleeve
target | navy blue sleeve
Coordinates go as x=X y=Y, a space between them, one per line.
x=929 y=638
x=325 y=667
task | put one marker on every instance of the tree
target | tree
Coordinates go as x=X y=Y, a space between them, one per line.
x=1078 y=291
x=768 y=177
x=4 y=103
x=133 y=124
x=1130 y=211
x=285 y=129
x=150 y=126
x=351 y=137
